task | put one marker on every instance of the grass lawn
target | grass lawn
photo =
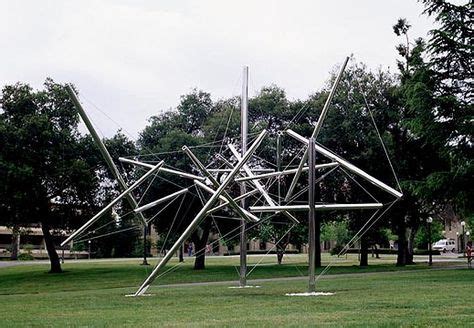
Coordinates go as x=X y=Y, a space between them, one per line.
x=92 y=294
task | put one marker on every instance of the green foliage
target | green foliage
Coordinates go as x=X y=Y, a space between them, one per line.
x=422 y=238
x=25 y=257
x=337 y=231
x=78 y=247
x=138 y=248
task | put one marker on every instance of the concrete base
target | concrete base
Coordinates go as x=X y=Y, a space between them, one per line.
x=133 y=295
x=310 y=294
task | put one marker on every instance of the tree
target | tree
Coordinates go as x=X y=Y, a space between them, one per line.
x=45 y=178
x=449 y=50
x=435 y=98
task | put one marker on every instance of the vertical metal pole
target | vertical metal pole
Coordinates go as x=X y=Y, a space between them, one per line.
x=278 y=163
x=243 y=137
x=311 y=217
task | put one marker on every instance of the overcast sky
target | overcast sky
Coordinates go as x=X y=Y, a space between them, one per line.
x=133 y=59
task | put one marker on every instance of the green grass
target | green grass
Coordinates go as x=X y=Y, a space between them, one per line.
x=92 y=294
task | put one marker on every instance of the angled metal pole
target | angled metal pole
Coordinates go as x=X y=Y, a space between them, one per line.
x=103 y=150
x=163 y=169
x=311 y=218
x=316 y=130
x=318 y=207
x=246 y=215
x=243 y=137
x=200 y=216
x=113 y=202
x=259 y=186
x=345 y=164
x=108 y=159
x=225 y=196
x=228 y=170
x=236 y=199
x=160 y=201
x=284 y=172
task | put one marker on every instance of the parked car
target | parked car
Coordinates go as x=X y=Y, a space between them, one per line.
x=445 y=245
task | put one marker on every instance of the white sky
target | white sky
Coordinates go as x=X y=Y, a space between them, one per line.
x=133 y=59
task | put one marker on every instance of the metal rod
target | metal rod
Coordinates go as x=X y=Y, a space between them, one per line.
x=311 y=218
x=248 y=215
x=243 y=137
x=200 y=216
x=226 y=203
x=278 y=164
x=243 y=213
x=259 y=186
x=317 y=207
x=284 y=172
x=228 y=170
x=113 y=202
x=163 y=169
x=103 y=150
x=317 y=128
x=160 y=201
x=354 y=169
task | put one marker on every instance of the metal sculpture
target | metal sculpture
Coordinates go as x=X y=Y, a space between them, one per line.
x=241 y=172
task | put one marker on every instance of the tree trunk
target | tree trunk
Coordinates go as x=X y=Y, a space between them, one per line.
x=402 y=243
x=200 y=245
x=280 y=248
x=15 y=244
x=53 y=255
x=410 y=247
x=364 y=252
x=181 y=254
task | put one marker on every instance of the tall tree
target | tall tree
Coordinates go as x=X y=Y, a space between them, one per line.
x=435 y=98
x=45 y=179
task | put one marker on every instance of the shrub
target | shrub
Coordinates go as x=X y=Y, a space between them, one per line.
x=25 y=257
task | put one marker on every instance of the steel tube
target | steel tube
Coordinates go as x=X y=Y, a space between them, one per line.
x=317 y=128
x=112 y=203
x=236 y=199
x=311 y=218
x=248 y=215
x=244 y=103
x=317 y=207
x=160 y=201
x=259 y=186
x=243 y=213
x=284 y=172
x=228 y=170
x=103 y=150
x=200 y=216
x=163 y=169
x=354 y=169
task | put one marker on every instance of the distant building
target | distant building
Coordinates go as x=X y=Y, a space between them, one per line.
x=31 y=239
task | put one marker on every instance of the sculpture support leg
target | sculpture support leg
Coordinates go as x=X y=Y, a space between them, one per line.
x=311 y=219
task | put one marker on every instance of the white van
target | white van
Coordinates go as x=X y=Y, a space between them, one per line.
x=445 y=245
